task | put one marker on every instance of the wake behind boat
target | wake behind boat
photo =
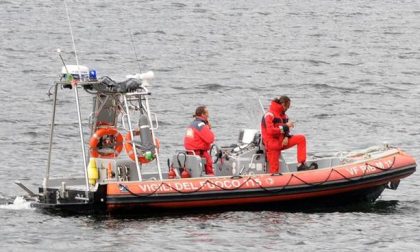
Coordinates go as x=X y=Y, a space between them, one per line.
x=123 y=142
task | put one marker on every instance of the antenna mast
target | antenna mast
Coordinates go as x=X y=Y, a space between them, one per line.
x=77 y=104
x=72 y=39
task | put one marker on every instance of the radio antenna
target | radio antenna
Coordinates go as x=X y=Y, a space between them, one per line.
x=72 y=38
x=134 y=49
x=133 y=45
x=79 y=117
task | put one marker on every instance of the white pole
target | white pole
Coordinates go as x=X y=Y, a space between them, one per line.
x=77 y=103
x=153 y=137
x=130 y=128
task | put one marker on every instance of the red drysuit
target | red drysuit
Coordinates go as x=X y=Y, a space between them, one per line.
x=199 y=138
x=273 y=130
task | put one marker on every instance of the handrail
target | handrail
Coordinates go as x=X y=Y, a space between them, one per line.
x=47 y=175
x=153 y=136
x=136 y=158
x=82 y=140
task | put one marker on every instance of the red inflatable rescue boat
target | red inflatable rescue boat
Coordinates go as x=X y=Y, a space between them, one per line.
x=124 y=174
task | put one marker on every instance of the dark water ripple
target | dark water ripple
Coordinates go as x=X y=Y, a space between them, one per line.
x=351 y=69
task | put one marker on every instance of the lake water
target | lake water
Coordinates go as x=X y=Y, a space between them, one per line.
x=351 y=69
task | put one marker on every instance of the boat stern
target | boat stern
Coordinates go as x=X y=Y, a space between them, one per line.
x=72 y=199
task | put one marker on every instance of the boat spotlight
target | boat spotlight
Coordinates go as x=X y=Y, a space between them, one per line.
x=145 y=77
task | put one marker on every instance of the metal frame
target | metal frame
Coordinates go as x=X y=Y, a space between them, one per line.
x=136 y=159
x=47 y=175
x=138 y=95
x=153 y=135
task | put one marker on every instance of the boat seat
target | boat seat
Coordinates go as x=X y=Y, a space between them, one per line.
x=190 y=161
x=283 y=164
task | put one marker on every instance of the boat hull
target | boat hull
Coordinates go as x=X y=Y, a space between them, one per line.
x=362 y=181
x=310 y=196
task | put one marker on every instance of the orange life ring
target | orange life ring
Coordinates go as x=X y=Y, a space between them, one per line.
x=117 y=143
x=129 y=147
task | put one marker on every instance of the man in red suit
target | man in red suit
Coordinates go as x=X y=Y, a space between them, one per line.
x=199 y=137
x=275 y=130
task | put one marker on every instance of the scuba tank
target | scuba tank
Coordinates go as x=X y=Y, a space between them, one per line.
x=147 y=145
x=146 y=134
x=145 y=148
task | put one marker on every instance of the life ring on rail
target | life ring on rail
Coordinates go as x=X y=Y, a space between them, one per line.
x=129 y=148
x=108 y=137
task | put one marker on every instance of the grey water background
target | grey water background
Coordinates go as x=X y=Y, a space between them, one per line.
x=350 y=67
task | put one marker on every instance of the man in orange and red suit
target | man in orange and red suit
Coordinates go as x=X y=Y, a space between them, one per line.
x=275 y=130
x=199 y=137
